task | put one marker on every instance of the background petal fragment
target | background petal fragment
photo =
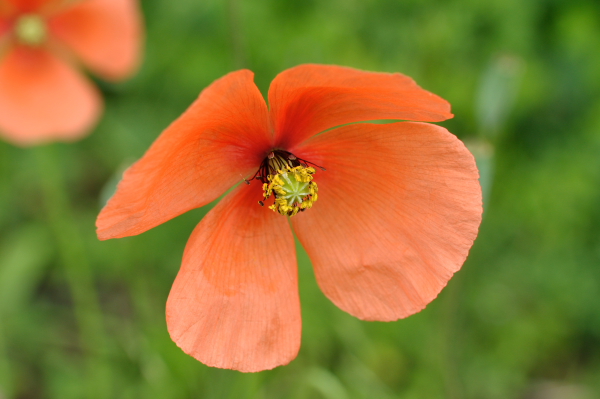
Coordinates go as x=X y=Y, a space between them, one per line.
x=105 y=35
x=44 y=99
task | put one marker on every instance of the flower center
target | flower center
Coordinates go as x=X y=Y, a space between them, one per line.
x=293 y=188
x=290 y=180
x=30 y=29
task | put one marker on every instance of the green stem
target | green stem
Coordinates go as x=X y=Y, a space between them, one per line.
x=77 y=271
x=235 y=29
x=6 y=377
x=450 y=342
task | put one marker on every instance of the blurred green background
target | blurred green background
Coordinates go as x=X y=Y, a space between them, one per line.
x=520 y=320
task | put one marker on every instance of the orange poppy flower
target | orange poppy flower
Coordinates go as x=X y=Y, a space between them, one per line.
x=386 y=212
x=43 y=97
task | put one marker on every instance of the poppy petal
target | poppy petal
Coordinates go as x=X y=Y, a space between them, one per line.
x=4 y=26
x=308 y=99
x=105 y=34
x=234 y=303
x=7 y=13
x=36 y=6
x=398 y=210
x=44 y=99
x=6 y=10
x=221 y=139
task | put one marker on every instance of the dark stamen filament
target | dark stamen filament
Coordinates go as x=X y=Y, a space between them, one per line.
x=278 y=160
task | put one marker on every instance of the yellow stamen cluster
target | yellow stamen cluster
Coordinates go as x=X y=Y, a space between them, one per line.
x=31 y=30
x=293 y=188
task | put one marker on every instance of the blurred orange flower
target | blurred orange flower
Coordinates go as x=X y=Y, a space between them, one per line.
x=396 y=211
x=43 y=96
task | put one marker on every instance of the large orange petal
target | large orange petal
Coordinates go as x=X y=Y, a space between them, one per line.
x=309 y=99
x=219 y=140
x=36 y=6
x=44 y=99
x=399 y=207
x=7 y=12
x=235 y=301
x=105 y=34
x=4 y=25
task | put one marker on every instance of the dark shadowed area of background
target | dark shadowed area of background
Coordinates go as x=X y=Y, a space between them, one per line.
x=520 y=320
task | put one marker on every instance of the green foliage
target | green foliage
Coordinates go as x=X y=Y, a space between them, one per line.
x=520 y=320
